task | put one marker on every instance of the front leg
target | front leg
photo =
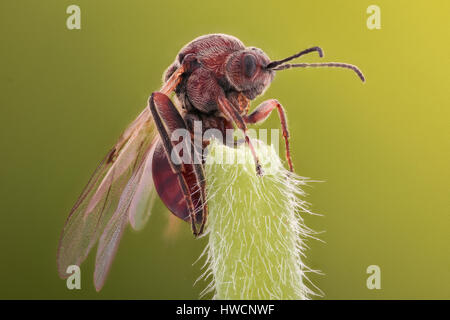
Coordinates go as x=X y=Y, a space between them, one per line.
x=230 y=111
x=207 y=96
x=262 y=112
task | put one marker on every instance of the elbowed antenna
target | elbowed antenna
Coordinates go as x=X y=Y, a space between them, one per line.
x=279 y=64
x=274 y=64
x=324 y=64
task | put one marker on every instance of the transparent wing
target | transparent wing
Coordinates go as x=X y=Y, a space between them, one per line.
x=128 y=206
x=99 y=210
x=145 y=195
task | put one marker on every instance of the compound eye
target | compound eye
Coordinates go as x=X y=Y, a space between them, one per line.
x=249 y=65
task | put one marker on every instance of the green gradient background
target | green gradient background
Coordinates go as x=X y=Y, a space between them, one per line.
x=381 y=147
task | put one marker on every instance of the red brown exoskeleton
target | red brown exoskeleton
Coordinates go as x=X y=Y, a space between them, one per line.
x=214 y=78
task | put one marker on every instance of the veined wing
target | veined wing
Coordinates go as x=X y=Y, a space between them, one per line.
x=109 y=191
x=135 y=204
x=144 y=195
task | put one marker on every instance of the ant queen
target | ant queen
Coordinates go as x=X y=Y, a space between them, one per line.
x=214 y=78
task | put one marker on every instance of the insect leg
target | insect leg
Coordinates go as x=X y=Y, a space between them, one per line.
x=227 y=108
x=167 y=120
x=262 y=112
x=201 y=184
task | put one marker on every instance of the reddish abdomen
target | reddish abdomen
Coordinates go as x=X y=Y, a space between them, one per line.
x=167 y=185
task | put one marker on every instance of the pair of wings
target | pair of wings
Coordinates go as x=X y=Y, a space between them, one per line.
x=121 y=190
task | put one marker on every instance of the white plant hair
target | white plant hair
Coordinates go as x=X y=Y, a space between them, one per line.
x=256 y=231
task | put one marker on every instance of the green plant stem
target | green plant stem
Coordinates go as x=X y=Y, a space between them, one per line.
x=256 y=235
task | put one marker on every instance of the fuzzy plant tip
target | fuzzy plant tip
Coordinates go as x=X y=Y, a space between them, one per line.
x=256 y=233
